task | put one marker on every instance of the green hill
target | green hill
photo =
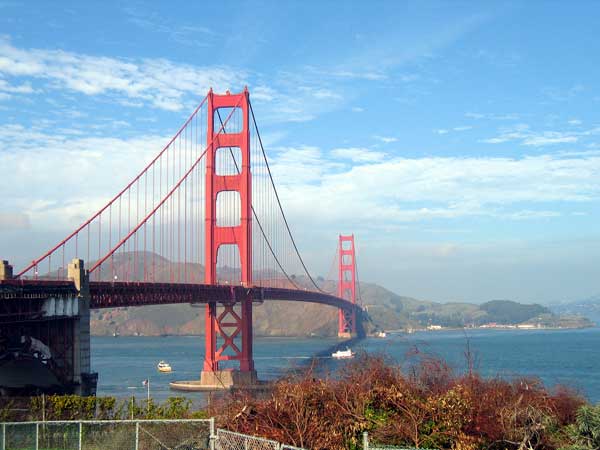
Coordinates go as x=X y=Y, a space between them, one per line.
x=387 y=311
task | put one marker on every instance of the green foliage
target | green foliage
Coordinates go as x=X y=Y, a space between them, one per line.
x=509 y=312
x=73 y=407
x=585 y=432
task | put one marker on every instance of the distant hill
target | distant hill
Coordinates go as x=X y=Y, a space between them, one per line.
x=589 y=307
x=387 y=310
x=508 y=312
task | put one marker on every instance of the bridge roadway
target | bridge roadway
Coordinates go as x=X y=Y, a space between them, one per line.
x=106 y=294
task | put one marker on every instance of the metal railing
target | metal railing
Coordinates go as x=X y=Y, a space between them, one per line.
x=190 y=434
x=229 y=440
x=367 y=445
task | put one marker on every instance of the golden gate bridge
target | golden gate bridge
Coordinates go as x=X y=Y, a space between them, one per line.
x=202 y=223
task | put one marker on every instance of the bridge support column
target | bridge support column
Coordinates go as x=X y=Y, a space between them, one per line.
x=347 y=286
x=228 y=334
x=83 y=378
x=6 y=270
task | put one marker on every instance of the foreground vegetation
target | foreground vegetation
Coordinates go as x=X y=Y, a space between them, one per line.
x=427 y=405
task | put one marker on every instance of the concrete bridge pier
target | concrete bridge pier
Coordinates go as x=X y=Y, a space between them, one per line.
x=45 y=334
x=85 y=381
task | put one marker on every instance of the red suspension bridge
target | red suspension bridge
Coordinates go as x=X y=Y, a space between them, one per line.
x=201 y=223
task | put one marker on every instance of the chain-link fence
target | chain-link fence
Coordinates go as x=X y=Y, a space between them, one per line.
x=367 y=445
x=128 y=435
x=108 y=435
x=228 y=440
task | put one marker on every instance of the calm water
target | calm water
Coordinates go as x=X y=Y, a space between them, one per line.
x=570 y=357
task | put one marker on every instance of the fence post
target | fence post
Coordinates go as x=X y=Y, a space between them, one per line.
x=80 y=434
x=3 y=437
x=212 y=438
x=37 y=436
x=365 y=440
x=137 y=435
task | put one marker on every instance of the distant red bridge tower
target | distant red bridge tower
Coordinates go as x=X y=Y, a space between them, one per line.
x=347 y=286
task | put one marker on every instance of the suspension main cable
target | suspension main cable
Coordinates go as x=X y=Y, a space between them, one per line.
x=279 y=202
x=255 y=215
x=357 y=278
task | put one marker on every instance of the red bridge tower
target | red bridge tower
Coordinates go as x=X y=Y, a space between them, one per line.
x=347 y=286
x=233 y=321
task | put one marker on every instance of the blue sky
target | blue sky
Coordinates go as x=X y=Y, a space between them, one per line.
x=459 y=141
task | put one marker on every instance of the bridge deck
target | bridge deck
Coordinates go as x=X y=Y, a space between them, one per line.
x=106 y=294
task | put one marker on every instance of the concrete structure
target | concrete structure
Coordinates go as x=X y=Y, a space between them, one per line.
x=45 y=334
x=221 y=379
x=6 y=270
x=82 y=377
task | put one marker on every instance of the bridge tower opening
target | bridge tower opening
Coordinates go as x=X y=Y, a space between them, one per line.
x=232 y=319
x=347 y=285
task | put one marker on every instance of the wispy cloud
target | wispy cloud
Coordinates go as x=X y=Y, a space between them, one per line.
x=366 y=75
x=386 y=139
x=286 y=101
x=60 y=177
x=523 y=134
x=20 y=89
x=562 y=94
x=492 y=116
x=457 y=129
x=358 y=155
x=14 y=221
x=443 y=187
x=157 y=82
x=192 y=35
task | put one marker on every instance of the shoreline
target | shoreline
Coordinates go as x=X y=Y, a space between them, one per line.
x=394 y=332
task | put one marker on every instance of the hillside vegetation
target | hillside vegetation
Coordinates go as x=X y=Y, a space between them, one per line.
x=387 y=310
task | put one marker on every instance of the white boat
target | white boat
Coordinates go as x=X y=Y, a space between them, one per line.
x=163 y=367
x=343 y=354
x=381 y=334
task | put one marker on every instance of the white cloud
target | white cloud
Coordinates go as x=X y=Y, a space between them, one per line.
x=263 y=94
x=59 y=179
x=359 y=75
x=357 y=109
x=457 y=129
x=574 y=122
x=386 y=139
x=292 y=103
x=13 y=221
x=358 y=155
x=525 y=136
x=548 y=138
x=21 y=89
x=158 y=82
x=415 y=189
x=490 y=116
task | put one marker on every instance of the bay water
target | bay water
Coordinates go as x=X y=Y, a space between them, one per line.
x=568 y=357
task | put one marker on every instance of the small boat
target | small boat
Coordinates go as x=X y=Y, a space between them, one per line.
x=163 y=367
x=381 y=334
x=343 y=354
